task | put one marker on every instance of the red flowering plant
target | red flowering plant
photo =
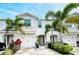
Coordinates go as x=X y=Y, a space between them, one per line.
x=17 y=45
x=17 y=42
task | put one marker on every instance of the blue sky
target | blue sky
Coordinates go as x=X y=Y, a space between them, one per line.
x=10 y=10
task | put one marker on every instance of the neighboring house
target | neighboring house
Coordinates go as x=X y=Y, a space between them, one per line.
x=34 y=29
x=72 y=37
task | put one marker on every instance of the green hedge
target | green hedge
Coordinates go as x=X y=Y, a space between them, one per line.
x=61 y=48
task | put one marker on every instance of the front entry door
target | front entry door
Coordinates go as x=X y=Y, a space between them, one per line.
x=41 y=40
x=9 y=39
x=53 y=38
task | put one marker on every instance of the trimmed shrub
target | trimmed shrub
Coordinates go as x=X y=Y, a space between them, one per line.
x=54 y=46
x=66 y=49
x=60 y=47
x=8 y=52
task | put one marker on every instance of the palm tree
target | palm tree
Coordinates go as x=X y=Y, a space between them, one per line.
x=14 y=25
x=56 y=27
x=61 y=15
x=47 y=27
x=72 y=19
x=17 y=24
x=9 y=25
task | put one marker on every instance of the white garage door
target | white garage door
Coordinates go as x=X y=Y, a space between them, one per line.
x=28 y=41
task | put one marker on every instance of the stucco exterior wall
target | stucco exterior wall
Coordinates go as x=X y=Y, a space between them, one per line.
x=28 y=40
x=34 y=31
x=41 y=31
x=70 y=39
x=34 y=24
x=1 y=37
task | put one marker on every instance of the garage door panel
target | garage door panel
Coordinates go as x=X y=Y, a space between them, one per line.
x=28 y=41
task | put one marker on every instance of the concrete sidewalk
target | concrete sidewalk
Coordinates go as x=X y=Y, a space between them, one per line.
x=38 y=51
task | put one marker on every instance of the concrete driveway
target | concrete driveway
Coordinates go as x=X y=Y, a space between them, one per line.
x=38 y=51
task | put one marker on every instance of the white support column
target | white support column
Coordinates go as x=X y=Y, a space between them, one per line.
x=74 y=39
x=6 y=41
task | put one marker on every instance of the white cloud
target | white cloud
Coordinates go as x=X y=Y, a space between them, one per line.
x=38 y=7
x=9 y=11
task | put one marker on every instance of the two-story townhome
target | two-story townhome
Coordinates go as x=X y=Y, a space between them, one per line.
x=72 y=37
x=34 y=29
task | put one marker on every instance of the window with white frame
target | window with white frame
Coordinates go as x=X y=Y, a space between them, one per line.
x=39 y=24
x=27 y=22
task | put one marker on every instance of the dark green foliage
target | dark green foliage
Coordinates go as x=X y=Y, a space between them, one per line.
x=47 y=27
x=37 y=45
x=49 y=14
x=61 y=48
x=49 y=45
x=66 y=49
x=14 y=24
x=9 y=24
x=68 y=8
x=60 y=16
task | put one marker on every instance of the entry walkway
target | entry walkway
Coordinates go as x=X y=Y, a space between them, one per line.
x=38 y=51
x=76 y=51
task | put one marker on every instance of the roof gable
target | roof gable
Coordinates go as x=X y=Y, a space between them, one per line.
x=27 y=14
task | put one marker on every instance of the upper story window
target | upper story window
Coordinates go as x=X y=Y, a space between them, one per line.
x=39 y=24
x=70 y=26
x=27 y=22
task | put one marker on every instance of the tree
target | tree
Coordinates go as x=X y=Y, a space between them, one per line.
x=72 y=19
x=9 y=24
x=47 y=27
x=56 y=27
x=14 y=25
x=60 y=16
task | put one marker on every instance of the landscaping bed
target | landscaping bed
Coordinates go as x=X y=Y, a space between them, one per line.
x=62 y=48
x=13 y=48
